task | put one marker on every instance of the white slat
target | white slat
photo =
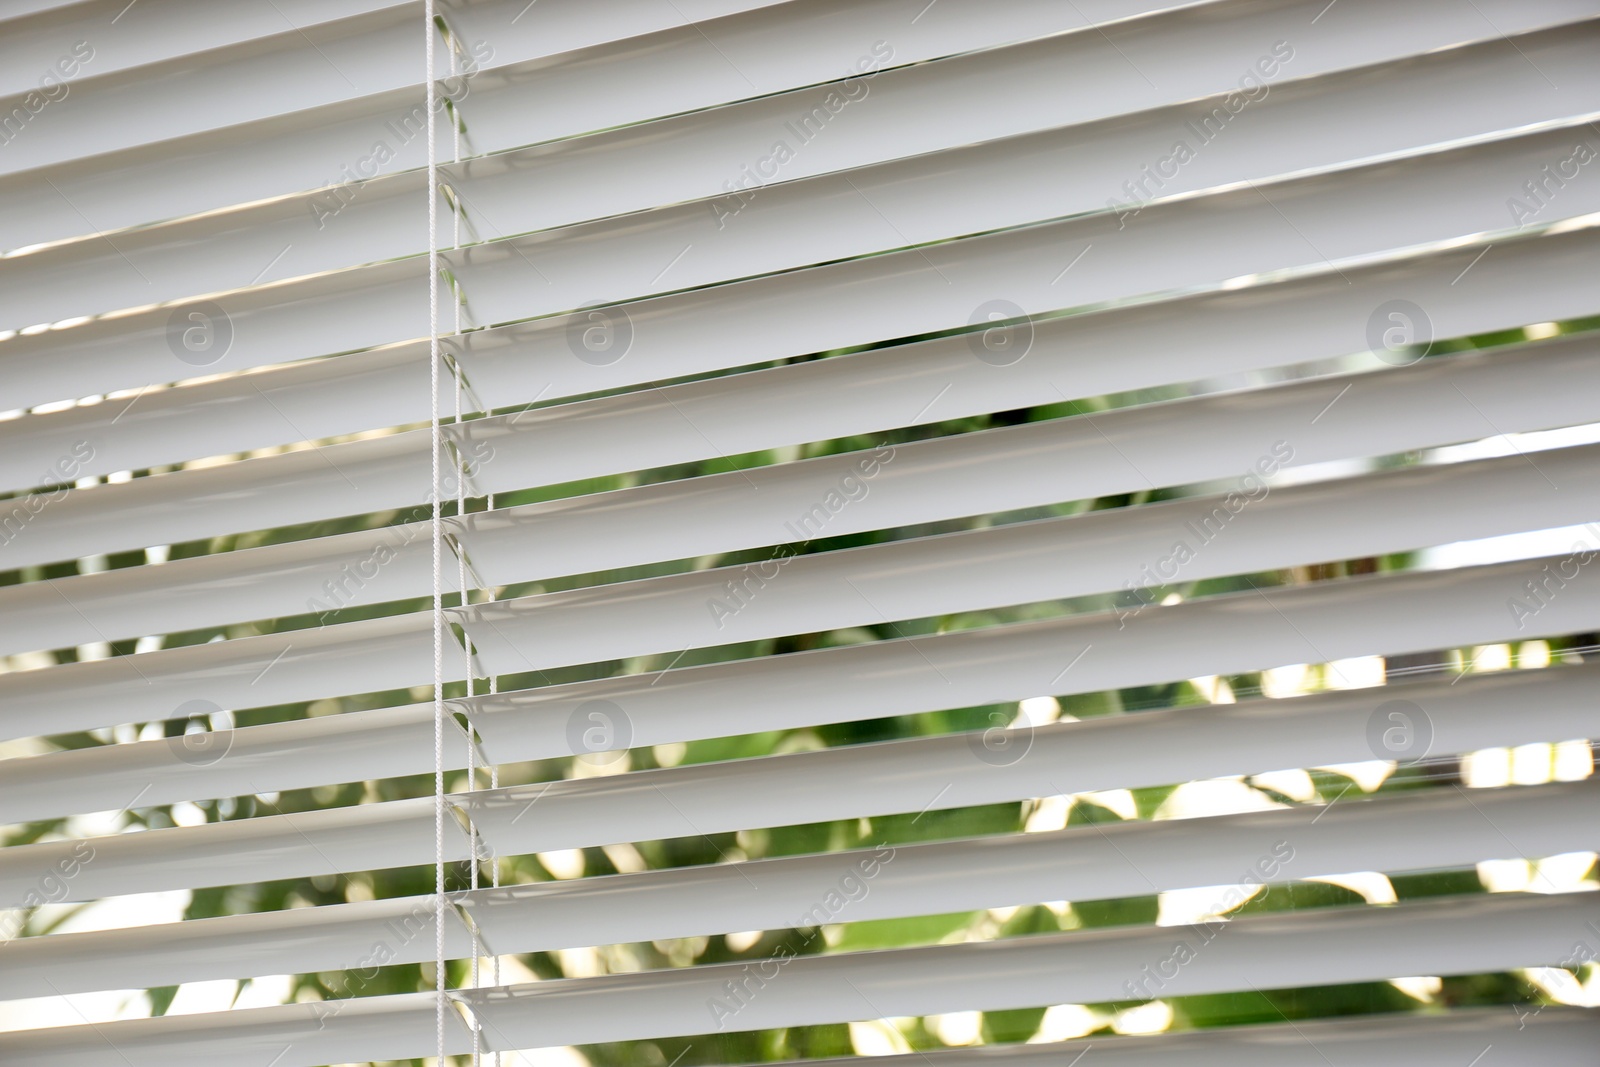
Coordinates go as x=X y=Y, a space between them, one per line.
x=308 y=1034
x=1340 y=945
x=1314 y=315
x=912 y=295
x=156 y=31
x=186 y=96
x=392 y=653
x=966 y=770
x=1218 y=635
x=1441 y=829
x=1033 y=562
x=780 y=46
x=299 y=940
x=534 y=724
x=1437 y=197
x=1299 y=126
x=1405 y=1040
x=642 y=39
x=1083 y=458
x=945 y=574
x=302 y=844
x=1409 y=832
x=1351 y=944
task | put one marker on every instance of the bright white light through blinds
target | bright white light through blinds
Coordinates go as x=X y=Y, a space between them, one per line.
x=989 y=534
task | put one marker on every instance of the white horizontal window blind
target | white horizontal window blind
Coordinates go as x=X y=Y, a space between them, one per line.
x=710 y=532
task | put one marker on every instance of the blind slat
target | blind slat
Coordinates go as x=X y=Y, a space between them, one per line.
x=532 y=724
x=1349 y=945
x=1406 y=1040
x=1031 y=562
x=1114 y=452
x=1316 y=314
x=782 y=45
x=158 y=32
x=1371 y=1041
x=709 y=608
x=1300 y=126
x=1366 y=211
x=312 y=485
x=272 y=757
x=370 y=314
x=1246 y=738
x=501 y=106
x=295 y=941
x=944 y=773
x=186 y=96
x=938 y=774
x=308 y=1035
x=305 y=844
x=282 y=668
x=1405 y=833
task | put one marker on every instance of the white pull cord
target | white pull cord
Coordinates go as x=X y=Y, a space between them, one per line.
x=437 y=442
